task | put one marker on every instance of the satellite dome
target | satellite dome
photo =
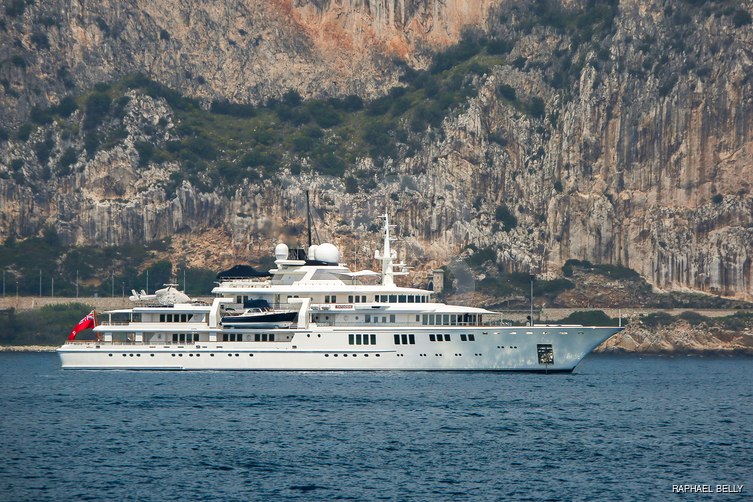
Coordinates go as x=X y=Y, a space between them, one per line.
x=281 y=251
x=312 y=252
x=328 y=253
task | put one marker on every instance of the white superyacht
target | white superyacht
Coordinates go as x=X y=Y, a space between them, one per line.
x=313 y=313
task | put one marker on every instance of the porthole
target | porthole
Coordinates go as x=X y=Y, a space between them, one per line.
x=198 y=355
x=180 y=355
x=326 y=355
x=138 y=355
x=190 y=355
x=308 y=335
x=377 y=355
x=354 y=355
x=152 y=355
x=230 y=355
x=365 y=355
x=109 y=355
x=335 y=355
x=237 y=355
x=319 y=335
x=172 y=355
x=211 y=355
x=345 y=355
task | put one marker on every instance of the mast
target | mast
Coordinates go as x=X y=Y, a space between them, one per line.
x=388 y=255
x=308 y=218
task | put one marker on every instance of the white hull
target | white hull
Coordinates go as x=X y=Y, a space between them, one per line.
x=494 y=349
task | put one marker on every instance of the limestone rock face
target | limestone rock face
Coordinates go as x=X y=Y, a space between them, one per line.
x=241 y=50
x=642 y=159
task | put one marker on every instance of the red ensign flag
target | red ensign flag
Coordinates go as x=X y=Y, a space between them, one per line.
x=87 y=322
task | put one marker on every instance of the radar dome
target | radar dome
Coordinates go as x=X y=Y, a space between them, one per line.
x=312 y=252
x=328 y=253
x=281 y=251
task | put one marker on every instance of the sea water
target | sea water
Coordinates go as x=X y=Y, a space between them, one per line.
x=618 y=428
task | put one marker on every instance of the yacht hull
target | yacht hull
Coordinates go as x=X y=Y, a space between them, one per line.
x=538 y=349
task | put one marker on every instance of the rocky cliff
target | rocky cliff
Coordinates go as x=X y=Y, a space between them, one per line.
x=617 y=134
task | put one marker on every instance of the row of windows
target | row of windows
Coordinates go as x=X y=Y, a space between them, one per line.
x=401 y=298
x=376 y=319
x=405 y=339
x=174 y=317
x=451 y=319
x=362 y=339
x=238 y=337
x=381 y=299
x=185 y=337
x=469 y=337
x=438 y=338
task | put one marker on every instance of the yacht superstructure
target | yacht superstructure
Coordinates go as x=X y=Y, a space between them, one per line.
x=314 y=313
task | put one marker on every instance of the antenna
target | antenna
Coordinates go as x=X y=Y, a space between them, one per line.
x=308 y=217
x=310 y=221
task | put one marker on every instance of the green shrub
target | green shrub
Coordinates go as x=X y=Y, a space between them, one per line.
x=589 y=318
x=66 y=107
x=18 y=61
x=741 y=17
x=67 y=159
x=24 y=132
x=15 y=8
x=40 y=40
x=232 y=109
x=503 y=215
x=96 y=108
x=536 y=107
x=507 y=92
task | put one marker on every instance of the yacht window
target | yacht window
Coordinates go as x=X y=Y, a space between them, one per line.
x=350 y=339
x=418 y=318
x=446 y=320
x=471 y=338
x=350 y=298
x=367 y=318
x=384 y=299
x=425 y=319
x=401 y=298
x=358 y=339
x=271 y=337
x=393 y=298
x=334 y=299
x=376 y=298
x=404 y=338
x=384 y=319
x=412 y=339
x=175 y=337
x=462 y=337
x=453 y=319
x=431 y=338
x=162 y=318
x=411 y=299
x=447 y=338
x=358 y=299
x=363 y=299
x=373 y=339
x=397 y=339
x=392 y=317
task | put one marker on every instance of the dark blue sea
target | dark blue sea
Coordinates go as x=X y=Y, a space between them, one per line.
x=618 y=428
